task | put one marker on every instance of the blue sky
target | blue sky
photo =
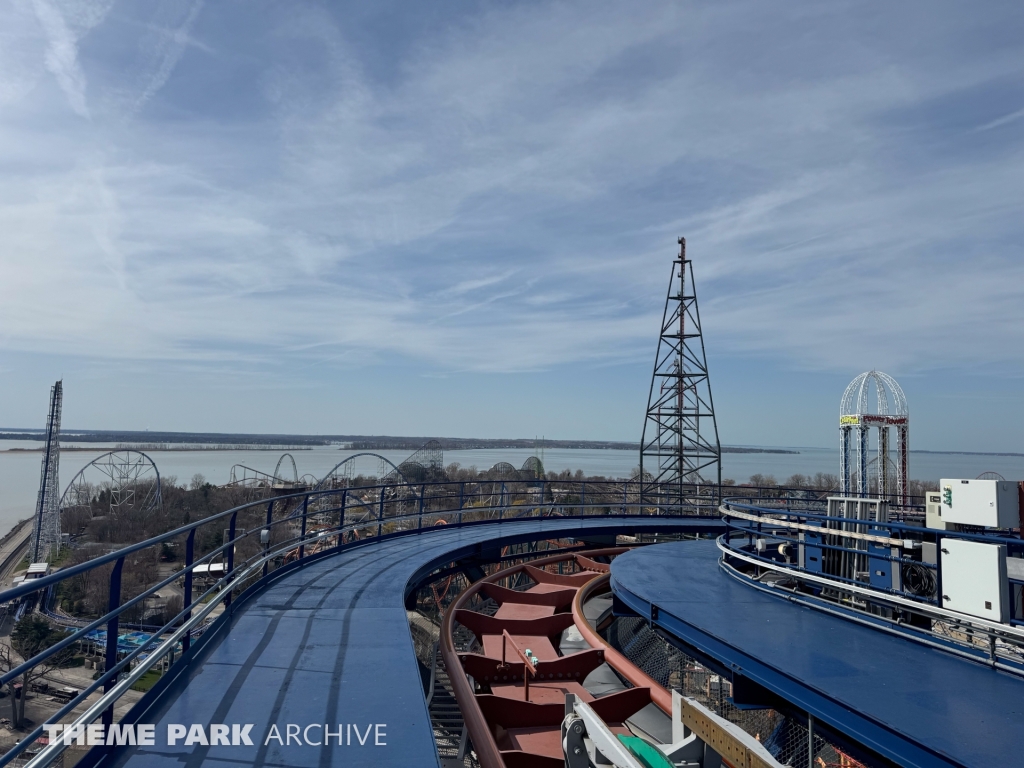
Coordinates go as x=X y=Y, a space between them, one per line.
x=458 y=218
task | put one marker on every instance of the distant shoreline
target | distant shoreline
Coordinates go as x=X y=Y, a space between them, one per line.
x=166 y=448
x=208 y=441
x=197 y=441
x=360 y=447
x=969 y=453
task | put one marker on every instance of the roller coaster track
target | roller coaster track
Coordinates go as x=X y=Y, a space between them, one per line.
x=515 y=670
x=512 y=672
x=325 y=637
x=343 y=616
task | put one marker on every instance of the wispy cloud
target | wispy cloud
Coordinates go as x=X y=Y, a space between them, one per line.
x=473 y=285
x=1005 y=119
x=503 y=191
x=166 y=51
x=62 y=55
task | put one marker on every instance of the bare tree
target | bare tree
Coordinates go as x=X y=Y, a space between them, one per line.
x=824 y=481
x=32 y=635
x=174 y=606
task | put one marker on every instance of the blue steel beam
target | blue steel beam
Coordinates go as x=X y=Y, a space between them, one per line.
x=911 y=704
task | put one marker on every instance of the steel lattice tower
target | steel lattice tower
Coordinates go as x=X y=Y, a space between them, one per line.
x=46 y=536
x=680 y=456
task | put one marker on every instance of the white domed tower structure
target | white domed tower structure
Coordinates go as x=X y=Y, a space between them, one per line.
x=857 y=415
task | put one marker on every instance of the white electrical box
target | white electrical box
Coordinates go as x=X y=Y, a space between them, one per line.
x=974 y=578
x=933 y=511
x=989 y=503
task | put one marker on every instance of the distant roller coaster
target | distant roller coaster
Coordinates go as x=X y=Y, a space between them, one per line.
x=242 y=475
x=295 y=470
x=425 y=466
x=120 y=480
x=401 y=481
x=532 y=469
x=341 y=472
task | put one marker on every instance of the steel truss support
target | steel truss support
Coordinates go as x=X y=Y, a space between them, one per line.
x=680 y=456
x=46 y=536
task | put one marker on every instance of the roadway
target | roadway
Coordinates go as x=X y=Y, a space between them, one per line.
x=13 y=549
x=916 y=705
x=329 y=643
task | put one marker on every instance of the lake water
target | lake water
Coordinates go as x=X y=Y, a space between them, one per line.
x=19 y=471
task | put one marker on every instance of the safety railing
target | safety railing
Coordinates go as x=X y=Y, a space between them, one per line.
x=890 y=572
x=278 y=532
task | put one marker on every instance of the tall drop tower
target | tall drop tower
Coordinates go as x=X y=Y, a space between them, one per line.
x=46 y=531
x=680 y=456
x=856 y=419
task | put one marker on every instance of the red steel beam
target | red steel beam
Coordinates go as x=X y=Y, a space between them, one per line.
x=483 y=740
x=659 y=695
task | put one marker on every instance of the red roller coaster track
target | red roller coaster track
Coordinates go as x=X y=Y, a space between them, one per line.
x=514 y=681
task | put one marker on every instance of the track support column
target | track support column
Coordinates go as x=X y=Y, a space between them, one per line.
x=302 y=535
x=341 y=520
x=270 y=520
x=190 y=547
x=229 y=571
x=113 y=602
x=810 y=741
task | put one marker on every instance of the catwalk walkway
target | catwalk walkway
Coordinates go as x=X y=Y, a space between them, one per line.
x=914 y=704
x=330 y=644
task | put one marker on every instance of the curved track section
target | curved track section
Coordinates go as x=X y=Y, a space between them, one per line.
x=331 y=478
x=519 y=663
x=914 y=705
x=330 y=644
x=515 y=677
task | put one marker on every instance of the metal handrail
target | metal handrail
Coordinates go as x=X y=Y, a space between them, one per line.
x=625 y=498
x=755 y=515
x=747 y=522
x=48 y=753
x=763 y=510
x=903 y=602
x=36 y=584
x=754 y=519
